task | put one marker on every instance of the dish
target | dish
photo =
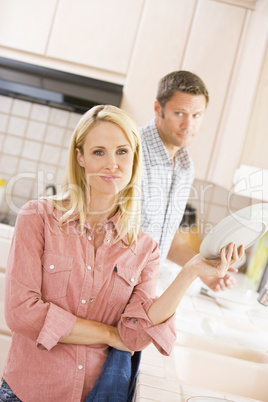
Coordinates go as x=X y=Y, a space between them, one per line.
x=234 y=299
x=207 y=399
x=243 y=227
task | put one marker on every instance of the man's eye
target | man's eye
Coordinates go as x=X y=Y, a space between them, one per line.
x=197 y=115
x=179 y=113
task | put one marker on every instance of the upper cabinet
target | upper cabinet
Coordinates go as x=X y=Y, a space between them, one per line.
x=98 y=33
x=25 y=25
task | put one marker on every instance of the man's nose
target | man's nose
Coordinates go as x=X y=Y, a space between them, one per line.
x=186 y=122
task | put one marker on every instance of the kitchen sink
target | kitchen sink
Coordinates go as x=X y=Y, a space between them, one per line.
x=218 y=366
x=220 y=347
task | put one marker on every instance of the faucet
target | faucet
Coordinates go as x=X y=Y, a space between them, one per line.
x=263 y=296
x=51 y=188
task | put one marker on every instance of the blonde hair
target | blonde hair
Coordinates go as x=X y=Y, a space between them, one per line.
x=76 y=196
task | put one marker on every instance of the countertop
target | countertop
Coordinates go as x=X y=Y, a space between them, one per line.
x=203 y=316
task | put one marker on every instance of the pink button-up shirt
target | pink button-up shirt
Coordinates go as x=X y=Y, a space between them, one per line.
x=54 y=276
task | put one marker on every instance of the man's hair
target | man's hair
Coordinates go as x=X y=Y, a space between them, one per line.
x=180 y=81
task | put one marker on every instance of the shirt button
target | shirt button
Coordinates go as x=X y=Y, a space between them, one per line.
x=83 y=301
x=51 y=267
x=99 y=266
x=89 y=267
x=107 y=240
x=92 y=299
x=89 y=238
x=80 y=366
x=132 y=280
x=135 y=321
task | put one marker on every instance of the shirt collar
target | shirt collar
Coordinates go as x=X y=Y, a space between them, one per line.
x=74 y=217
x=158 y=152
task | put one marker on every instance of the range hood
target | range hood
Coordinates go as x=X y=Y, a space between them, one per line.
x=55 y=88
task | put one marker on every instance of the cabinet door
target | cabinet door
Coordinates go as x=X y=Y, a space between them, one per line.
x=25 y=25
x=211 y=52
x=256 y=144
x=3 y=326
x=5 y=342
x=96 y=33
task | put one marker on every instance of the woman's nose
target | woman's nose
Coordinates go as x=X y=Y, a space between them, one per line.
x=111 y=163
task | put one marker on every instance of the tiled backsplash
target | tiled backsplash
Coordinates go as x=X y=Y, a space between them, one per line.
x=34 y=141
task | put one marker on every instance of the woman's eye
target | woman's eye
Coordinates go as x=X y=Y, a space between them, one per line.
x=122 y=151
x=98 y=152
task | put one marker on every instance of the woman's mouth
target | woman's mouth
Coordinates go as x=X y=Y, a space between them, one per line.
x=109 y=178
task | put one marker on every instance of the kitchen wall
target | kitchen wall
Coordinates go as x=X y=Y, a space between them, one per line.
x=34 y=141
x=224 y=41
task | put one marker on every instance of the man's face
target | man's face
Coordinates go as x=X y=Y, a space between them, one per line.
x=180 y=120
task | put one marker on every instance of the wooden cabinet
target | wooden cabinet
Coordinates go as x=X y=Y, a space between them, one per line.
x=99 y=34
x=25 y=25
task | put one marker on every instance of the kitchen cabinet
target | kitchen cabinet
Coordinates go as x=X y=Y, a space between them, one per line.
x=25 y=25
x=256 y=142
x=99 y=33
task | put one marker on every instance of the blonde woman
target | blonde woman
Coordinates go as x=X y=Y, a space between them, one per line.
x=81 y=277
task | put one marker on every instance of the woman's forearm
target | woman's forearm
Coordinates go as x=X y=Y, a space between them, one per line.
x=87 y=332
x=165 y=306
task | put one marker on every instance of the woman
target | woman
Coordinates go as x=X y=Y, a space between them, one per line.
x=81 y=277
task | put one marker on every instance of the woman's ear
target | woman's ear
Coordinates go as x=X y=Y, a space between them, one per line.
x=79 y=157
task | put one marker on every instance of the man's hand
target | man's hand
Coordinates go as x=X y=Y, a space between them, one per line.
x=217 y=284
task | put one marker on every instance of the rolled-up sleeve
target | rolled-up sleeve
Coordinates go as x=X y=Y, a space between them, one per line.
x=25 y=311
x=137 y=331
x=135 y=328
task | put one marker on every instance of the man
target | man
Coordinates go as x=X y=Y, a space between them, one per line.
x=168 y=171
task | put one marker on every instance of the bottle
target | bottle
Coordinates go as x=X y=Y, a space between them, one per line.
x=2 y=190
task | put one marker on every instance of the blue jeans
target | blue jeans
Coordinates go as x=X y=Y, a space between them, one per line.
x=6 y=393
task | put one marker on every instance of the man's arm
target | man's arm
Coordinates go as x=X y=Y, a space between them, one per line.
x=181 y=253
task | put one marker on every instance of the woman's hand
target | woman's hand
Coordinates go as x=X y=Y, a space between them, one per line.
x=217 y=267
x=117 y=343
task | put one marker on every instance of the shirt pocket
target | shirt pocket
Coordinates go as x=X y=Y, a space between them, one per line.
x=56 y=274
x=125 y=279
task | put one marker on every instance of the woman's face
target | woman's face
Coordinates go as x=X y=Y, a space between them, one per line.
x=107 y=159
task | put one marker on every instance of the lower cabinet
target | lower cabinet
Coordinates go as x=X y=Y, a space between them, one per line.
x=5 y=334
x=5 y=342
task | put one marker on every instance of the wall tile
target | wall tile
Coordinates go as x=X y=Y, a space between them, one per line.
x=50 y=154
x=58 y=117
x=63 y=158
x=54 y=135
x=21 y=108
x=17 y=126
x=12 y=145
x=31 y=150
x=5 y=104
x=8 y=164
x=27 y=166
x=73 y=120
x=67 y=137
x=40 y=112
x=35 y=130
x=3 y=121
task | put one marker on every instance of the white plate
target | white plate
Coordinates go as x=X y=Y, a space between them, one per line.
x=243 y=227
x=208 y=399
